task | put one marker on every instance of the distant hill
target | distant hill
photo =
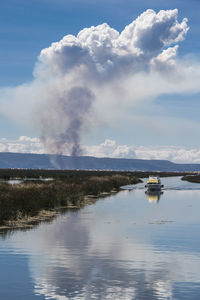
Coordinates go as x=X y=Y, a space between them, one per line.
x=45 y=161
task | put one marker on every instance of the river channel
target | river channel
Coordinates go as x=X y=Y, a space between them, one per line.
x=130 y=245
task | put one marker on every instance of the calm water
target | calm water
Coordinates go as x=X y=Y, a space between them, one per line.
x=17 y=181
x=127 y=246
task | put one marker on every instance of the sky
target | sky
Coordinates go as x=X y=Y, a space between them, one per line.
x=127 y=112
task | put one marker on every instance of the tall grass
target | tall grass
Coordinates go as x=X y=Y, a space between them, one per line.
x=192 y=178
x=73 y=175
x=29 y=198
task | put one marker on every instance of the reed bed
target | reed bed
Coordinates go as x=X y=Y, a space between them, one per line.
x=29 y=198
x=192 y=178
x=74 y=176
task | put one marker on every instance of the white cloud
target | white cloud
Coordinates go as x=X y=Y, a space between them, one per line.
x=23 y=144
x=151 y=32
x=101 y=50
x=96 y=76
x=166 y=61
x=109 y=148
x=176 y=154
x=172 y=153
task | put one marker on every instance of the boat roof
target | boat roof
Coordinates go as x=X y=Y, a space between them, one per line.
x=153 y=180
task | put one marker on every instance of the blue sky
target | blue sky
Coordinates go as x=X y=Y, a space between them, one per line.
x=26 y=27
x=29 y=26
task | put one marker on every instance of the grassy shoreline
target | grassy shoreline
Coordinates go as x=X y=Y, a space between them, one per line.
x=191 y=178
x=24 y=203
x=31 y=201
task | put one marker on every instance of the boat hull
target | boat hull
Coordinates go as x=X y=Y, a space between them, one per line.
x=154 y=187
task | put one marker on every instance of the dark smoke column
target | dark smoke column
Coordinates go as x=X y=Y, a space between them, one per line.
x=63 y=120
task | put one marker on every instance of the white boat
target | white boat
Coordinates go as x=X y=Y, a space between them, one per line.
x=154 y=184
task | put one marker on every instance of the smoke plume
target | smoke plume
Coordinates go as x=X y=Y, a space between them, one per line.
x=85 y=77
x=63 y=119
x=97 y=57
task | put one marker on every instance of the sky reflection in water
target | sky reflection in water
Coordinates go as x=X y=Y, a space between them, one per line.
x=122 y=247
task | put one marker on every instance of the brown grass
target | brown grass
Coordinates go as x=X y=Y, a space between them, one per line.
x=26 y=200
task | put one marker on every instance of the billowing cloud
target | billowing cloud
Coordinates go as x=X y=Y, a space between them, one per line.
x=166 y=61
x=93 y=77
x=101 y=52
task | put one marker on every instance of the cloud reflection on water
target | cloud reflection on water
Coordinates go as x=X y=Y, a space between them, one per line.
x=108 y=251
x=93 y=261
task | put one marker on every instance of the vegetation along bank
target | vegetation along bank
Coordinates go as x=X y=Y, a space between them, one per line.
x=32 y=200
x=192 y=178
x=35 y=198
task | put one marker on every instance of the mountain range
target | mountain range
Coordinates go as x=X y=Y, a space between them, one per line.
x=48 y=161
